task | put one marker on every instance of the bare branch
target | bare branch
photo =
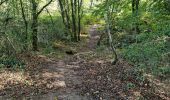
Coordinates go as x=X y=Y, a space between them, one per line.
x=44 y=7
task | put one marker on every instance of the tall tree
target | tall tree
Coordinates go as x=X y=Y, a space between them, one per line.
x=71 y=12
x=80 y=2
x=108 y=26
x=35 y=14
x=25 y=22
x=135 y=8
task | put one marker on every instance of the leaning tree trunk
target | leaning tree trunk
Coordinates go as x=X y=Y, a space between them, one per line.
x=62 y=11
x=67 y=6
x=111 y=40
x=107 y=20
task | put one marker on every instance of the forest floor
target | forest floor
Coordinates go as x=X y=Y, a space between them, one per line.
x=86 y=75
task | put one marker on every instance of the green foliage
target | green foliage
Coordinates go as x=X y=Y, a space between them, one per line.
x=130 y=86
x=11 y=62
x=51 y=28
x=148 y=53
x=89 y=19
x=159 y=6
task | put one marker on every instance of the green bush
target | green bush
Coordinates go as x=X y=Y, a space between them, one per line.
x=11 y=62
x=51 y=28
x=89 y=19
x=148 y=54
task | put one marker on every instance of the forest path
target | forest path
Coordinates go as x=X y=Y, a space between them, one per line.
x=94 y=35
x=87 y=75
x=63 y=74
x=47 y=78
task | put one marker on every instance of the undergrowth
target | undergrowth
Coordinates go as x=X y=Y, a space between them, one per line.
x=11 y=62
x=150 y=51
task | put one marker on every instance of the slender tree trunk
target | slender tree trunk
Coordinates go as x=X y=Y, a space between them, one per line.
x=51 y=18
x=79 y=18
x=64 y=7
x=71 y=13
x=35 y=14
x=25 y=22
x=111 y=40
x=34 y=26
x=135 y=7
x=68 y=19
x=73 y=20
x=67 y=12
x=62 y=11
x=107 y=20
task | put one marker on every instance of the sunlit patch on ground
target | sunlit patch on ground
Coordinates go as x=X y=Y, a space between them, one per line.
x=13 y=77
x=84 y=35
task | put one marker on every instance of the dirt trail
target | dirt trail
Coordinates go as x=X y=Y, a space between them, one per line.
x=78 y=78
x=47 y=78
x=87 y=75
x=65 y=79
x=94 y=35
x=64 y=75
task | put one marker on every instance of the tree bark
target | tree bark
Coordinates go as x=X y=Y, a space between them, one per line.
x=79 y=18
x=35 y=14
x=107 y=20
x=135 y=8
x=62 y=11
x=67 y=15
x=25 y=22
x=73 y=20
x=34 y=26
x=71 y=13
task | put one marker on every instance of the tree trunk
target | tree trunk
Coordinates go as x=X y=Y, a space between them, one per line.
x=26 y=24
x=67 y=15
x=135 y=7
x=34 y=26
x=107 y=20
x=62 y=11
x=35 y=14
x=79 y=18
x=34 y=34
x=73 y=21
x=111 y=40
